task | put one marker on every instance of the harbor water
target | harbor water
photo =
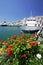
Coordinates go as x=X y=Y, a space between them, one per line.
x=6 y=32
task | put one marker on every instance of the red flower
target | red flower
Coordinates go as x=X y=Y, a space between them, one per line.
x=9 y=39
x=28 y=40
x=23 y=55
x=33 y=43
x=9 y=50
x=14 y=36
x=5 y=41
x=9 y=53
x=0 y=41
x=10 y=46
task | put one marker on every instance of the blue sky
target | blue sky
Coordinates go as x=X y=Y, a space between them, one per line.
x=11 y=10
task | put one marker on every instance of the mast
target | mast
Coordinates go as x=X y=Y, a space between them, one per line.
x=31 y=13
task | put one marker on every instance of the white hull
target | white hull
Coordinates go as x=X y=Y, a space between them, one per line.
x=30 y=28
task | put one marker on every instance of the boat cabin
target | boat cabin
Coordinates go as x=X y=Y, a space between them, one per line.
x=31 y=21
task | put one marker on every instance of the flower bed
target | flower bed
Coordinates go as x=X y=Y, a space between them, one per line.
x=21 y=50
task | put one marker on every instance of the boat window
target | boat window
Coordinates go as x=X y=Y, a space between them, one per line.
x=38 y=24
x=26 y=24
x=35 y=24
x=31 y=20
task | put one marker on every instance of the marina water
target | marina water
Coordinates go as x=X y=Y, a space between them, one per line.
x=7 y=31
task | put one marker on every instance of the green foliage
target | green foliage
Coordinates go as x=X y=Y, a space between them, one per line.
x=20 y=46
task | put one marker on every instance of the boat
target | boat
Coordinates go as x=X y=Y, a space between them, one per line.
x=31 y=25
x=4 y=24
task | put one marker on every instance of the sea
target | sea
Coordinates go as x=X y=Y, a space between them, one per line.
x=7 y=31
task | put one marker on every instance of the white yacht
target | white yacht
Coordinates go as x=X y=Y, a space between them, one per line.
x=31 y=25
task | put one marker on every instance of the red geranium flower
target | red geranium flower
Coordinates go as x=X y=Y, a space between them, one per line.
x=33 y=43
x=23 y=55
x=0 y=41
x=28 y=40
x=10 y=46
x=5 y=41
x=14 y=36
x=9 y=53
x=9 y=39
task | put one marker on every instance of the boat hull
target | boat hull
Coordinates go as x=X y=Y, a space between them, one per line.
x=30 y=29
x=4 y=25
